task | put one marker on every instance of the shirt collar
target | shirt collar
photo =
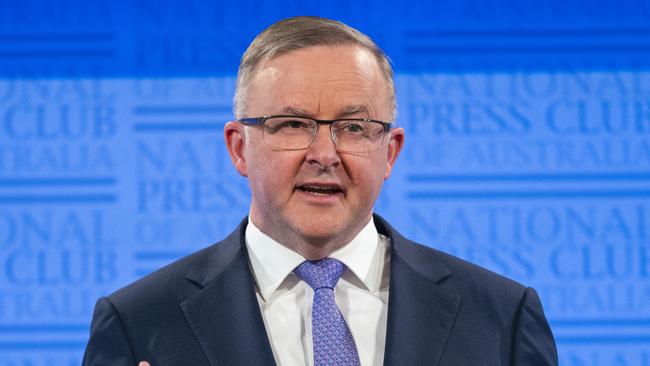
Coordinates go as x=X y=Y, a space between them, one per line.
x=272 y=262
x=361 y=256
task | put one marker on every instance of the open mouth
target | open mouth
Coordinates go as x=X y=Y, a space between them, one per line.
x=320 y=190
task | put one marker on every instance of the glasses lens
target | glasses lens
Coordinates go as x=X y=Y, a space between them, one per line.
x=289 y=132
x=358 y=136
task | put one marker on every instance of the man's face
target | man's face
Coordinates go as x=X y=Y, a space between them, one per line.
x=323 y=82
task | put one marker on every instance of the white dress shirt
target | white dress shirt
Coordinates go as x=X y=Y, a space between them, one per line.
x=286 y=301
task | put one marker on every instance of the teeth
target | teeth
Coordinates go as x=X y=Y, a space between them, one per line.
x=320 y=190
x=319 y=193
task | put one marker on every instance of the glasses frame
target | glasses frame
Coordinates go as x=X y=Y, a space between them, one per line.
x=259 y=121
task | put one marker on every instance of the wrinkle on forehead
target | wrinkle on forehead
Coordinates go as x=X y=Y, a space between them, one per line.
x=329 y=84
x=346 y=111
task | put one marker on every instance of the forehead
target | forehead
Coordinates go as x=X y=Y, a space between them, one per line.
x=320 y=80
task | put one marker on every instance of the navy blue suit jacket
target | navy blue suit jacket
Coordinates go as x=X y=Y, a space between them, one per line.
x=202 y=310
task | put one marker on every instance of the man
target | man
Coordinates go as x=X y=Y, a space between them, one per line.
x=311 y=276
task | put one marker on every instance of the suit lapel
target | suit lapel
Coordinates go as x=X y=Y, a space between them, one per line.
x=227 y=323
x=421 y=313
x=224 y=315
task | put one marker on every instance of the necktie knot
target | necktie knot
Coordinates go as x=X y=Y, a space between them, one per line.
x=322 y=273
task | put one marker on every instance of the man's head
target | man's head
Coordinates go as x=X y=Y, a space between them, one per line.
x=318 y=197
x=297 y=33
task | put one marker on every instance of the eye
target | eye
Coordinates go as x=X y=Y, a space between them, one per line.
x=288 y=125
x=294 y=124
x=353 y=127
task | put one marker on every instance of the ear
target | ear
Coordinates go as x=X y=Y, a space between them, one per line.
x=235 y=138
x=395 y=145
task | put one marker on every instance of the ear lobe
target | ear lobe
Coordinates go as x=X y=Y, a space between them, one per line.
x=234 y=136
x=395 y=145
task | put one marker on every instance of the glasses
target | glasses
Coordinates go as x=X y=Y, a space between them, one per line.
x=355 y=135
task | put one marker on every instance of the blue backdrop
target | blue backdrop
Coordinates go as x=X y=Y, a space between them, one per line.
x=527 y=152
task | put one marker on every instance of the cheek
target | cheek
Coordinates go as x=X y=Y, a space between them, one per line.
x=272 y=172
x=367 y=175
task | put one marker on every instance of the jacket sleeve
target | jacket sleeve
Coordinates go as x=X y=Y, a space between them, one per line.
x=108 y=343
x=533 y=342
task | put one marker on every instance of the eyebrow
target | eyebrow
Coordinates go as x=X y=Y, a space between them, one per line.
x=347 y=111
x=351 y=110
x=296 y=111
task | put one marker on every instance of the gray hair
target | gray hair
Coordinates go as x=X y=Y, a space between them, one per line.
x=297 y=33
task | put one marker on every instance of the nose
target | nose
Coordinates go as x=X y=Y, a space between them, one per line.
x=323 y=151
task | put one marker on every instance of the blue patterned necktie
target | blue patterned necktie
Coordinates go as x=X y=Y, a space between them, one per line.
x=333 y=343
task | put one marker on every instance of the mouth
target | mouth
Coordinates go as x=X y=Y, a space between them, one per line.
x=317 y=189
